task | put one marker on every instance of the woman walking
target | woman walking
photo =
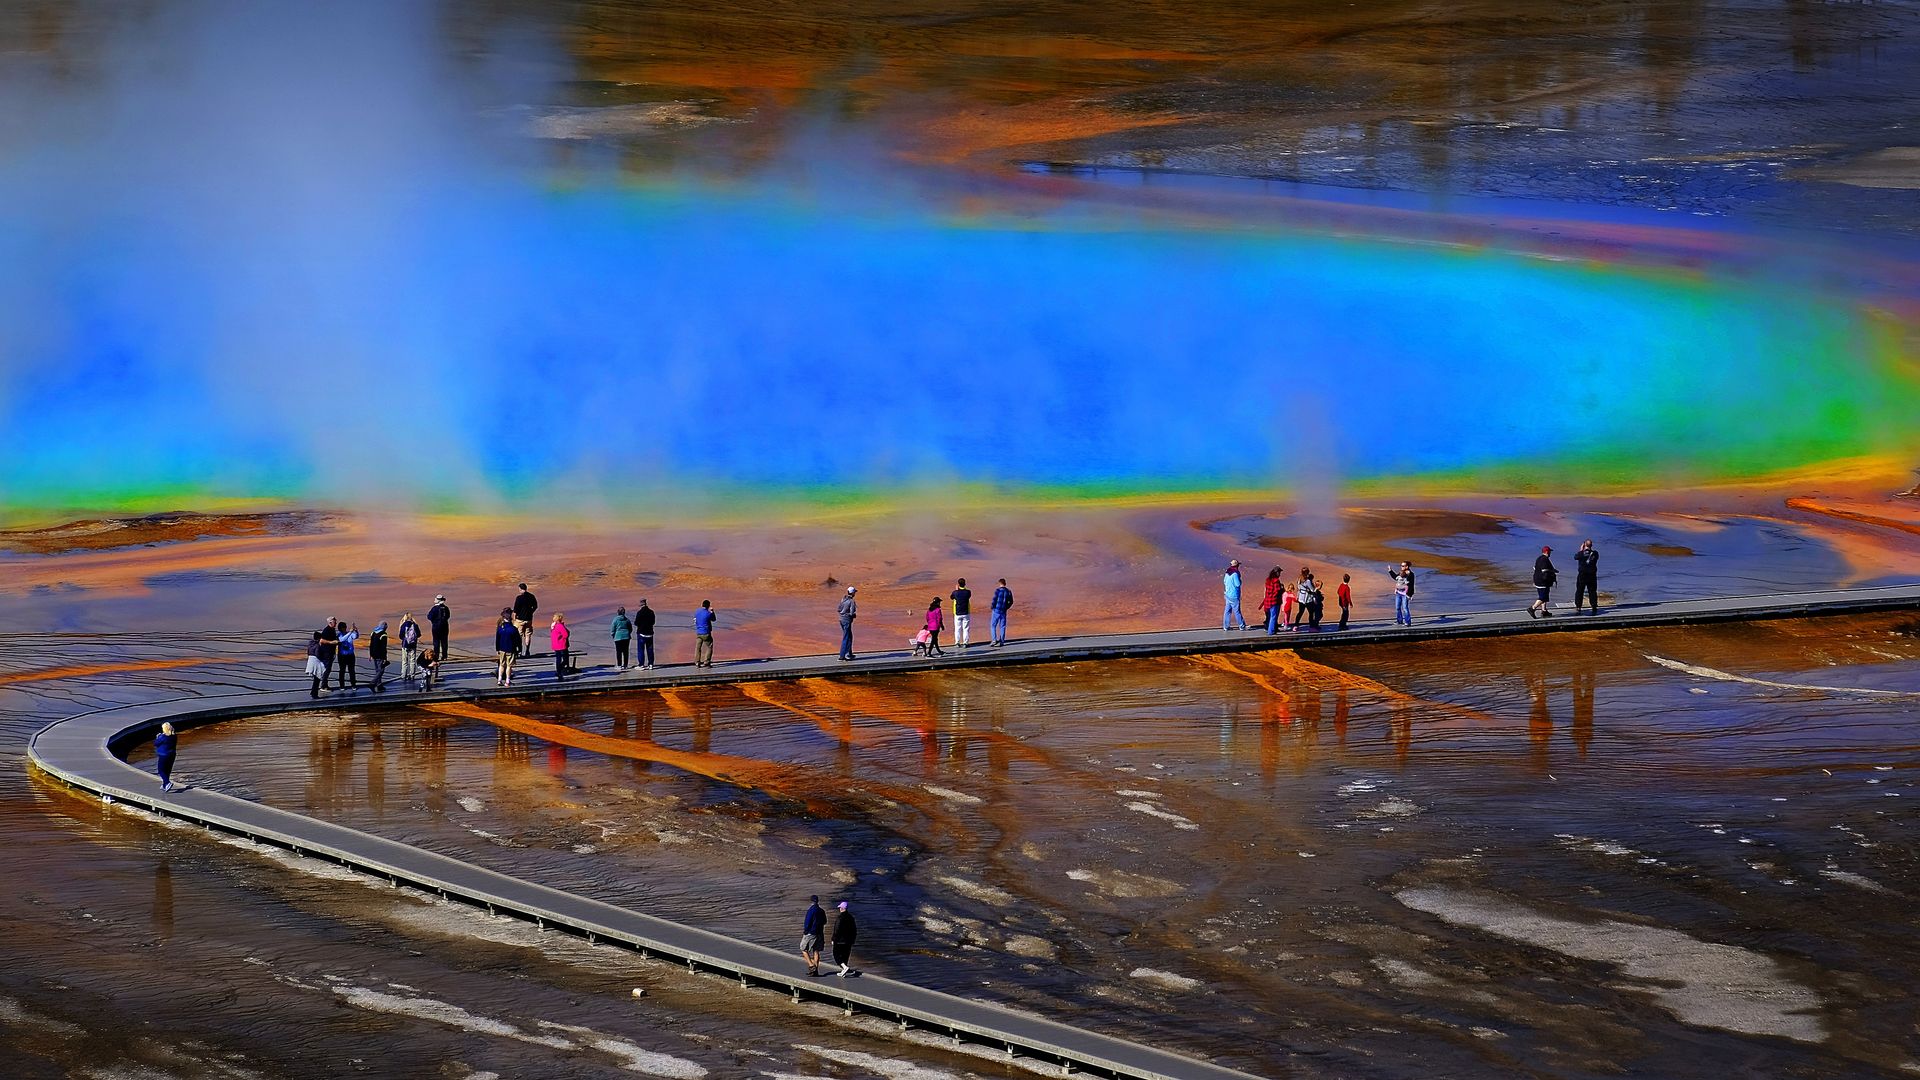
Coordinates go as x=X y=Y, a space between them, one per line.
x=1270 y=601
x=936 y=622
x=316 y=667
x=560 y=640
x=377 y=653
x=164 y=745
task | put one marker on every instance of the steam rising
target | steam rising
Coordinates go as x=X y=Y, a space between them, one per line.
x=310 y=251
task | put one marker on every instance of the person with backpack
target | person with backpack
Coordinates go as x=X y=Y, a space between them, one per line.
x=409 y=647
x=1544 y=575
x=1001 y=603
x=440 y=617
x=1402 y=593
x=1586 y=578
x=622 y=637
x=849 y=611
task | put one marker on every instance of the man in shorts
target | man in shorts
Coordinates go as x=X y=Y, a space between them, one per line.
x=812 y=928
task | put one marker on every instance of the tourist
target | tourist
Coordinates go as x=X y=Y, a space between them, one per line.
x=329 y=644
x=1345 y=597
x=1544 y=575
x=1287 y=599
x=1308 y=601
x=1270 y=598
x=506 y=648
x=936 y=622
x=343 y=668
x=848 y=612
x=559 y=638
x=524 y=605
x=316 y=668
x=844 y=931
x=1586 y=577
x=1402 y=593
x=813 y=927
x=703 y=621
x=377 y=652
x=440 y=617
x=164 y=745
x=1001 y=603
x=643 y=629
x=409 y=647
x=962 y=615
x=429 y=664
x=622 y=638
x=1230 y=588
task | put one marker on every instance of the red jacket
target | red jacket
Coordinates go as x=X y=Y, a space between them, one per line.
x=1345 y=594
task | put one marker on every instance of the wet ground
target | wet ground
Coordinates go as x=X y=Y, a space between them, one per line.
x=1572 y=858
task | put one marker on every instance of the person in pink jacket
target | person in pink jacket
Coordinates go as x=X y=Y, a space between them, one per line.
x=560 y=638
x=936 y=622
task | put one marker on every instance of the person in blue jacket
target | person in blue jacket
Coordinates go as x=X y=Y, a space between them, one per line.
x=506 y=647
x=164 y=746
x=997 y=608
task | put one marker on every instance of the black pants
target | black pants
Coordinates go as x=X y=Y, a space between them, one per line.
x=1313 y=615
x=559 y=663
x=440 y=646
x=1345 y=611
x=620 y=649
x=842 y=950
x=345 y=673
x=1590 y=587
x=164 y=765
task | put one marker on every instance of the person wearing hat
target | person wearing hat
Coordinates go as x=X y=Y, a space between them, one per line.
x=1544 y=575
x=844 y=931
x=848 y=612
x=377 y=653
x=440 y=617
x=1586 y=577
x=1230 y=587
x=812 y=928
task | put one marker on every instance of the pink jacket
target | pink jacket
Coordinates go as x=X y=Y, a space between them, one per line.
x=559 y=637
x=936 y=621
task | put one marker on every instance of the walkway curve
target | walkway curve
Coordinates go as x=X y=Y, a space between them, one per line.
x=86 y=751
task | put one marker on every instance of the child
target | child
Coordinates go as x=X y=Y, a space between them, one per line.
x=429 y=667
x=1345 y=596
x=1286 y=607
x=920 y=640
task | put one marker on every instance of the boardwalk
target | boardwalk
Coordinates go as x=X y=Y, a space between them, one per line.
x=82 y=751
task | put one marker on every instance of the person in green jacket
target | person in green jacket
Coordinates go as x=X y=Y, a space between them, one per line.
x=622 y=637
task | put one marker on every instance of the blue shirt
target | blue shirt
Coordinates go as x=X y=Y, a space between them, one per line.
x=703 y=621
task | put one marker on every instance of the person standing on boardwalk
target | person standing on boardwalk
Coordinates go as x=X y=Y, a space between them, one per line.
x=936 y=622
x=812 y=928
x=343 y=670
x=1270 y=600
x=1402 y=593
x=962 y=598
x=643 y=619
x=164 y=745
x=377 y=653
x=1544 y=575
x=506 y=648
x=1230 y=589
x=849 y=611
x=1302 y=598
x=1586 y=577
x=1311 y=599
x=329 y=645
x=524 y=605
x=1001 y=603
x=316 y=668
x=703 y=621
x=409 y=647
x=1345 y=596
x=560 y=638
x=440 y=617
x=622 y=637
x=844 y=933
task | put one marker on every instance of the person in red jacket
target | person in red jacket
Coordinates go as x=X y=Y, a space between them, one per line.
x=1345 y=595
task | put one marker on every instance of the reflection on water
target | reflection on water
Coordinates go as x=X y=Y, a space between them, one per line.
x=1553 y=854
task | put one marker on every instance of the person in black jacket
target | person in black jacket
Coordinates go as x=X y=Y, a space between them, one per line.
x=1586 y=577
x=1544 y=575
x=377 y=654
x=643 y=629
x=844 y=931
x=524 y=605
x=440 y=617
